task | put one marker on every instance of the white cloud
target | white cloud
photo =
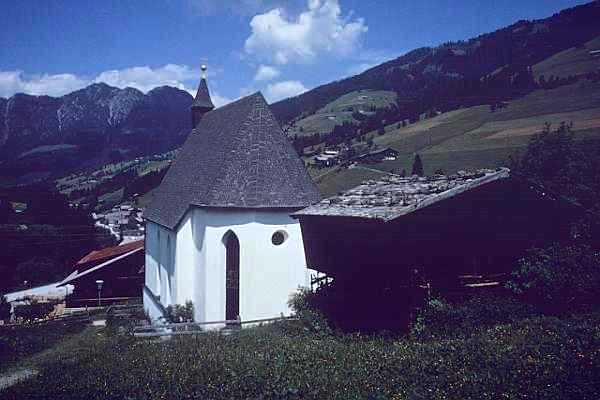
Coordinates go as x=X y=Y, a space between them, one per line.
x=12 y=82
x=146 y=78
x=319 y=30
x=284 y=89
x=266 y=73
x=142 y=78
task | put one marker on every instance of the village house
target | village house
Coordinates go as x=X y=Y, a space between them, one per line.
x=376 y=156
x=121 y=270
x=218 y=230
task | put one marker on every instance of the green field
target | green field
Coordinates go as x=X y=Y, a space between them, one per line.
x=339 y=111
x=474 y=137
x=572 y=61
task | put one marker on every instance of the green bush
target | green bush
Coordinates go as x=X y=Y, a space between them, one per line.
x=439 y=318
x=34 y=310
x=559 y=278
x=180 y=313
x=4 y=308
x=305 y=307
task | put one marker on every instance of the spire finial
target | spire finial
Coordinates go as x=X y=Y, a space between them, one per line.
x=203 y=67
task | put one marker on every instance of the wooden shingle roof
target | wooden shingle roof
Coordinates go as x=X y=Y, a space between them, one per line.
x=394 y=196
x=237 y=157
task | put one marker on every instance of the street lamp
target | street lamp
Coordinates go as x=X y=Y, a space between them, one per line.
x=99 y=282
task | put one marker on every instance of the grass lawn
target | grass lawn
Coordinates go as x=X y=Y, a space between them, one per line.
x=19 y=342
x=541 y=357
x=572 y=61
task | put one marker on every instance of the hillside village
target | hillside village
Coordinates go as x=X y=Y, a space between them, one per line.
x=426 y=228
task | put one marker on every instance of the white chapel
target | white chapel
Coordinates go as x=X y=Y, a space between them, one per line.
x=218 y=230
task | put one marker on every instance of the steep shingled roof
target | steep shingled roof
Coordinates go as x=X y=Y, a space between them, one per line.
x=202 y=98
x=236 y=157
x=394 y=196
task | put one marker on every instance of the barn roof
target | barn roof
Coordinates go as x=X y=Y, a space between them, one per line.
x=394 y=196
x=202 y=98
x=98 y=255
x=106 y=261
x=236 y=157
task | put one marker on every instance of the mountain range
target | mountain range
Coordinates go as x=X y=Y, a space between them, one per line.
x=44 y=136
x=452 y=75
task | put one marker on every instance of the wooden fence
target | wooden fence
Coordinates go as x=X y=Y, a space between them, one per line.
x=193 y=328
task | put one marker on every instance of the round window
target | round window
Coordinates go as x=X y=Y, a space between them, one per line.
x=278 y=238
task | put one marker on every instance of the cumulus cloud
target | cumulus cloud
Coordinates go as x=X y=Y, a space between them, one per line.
x=266 y=73
x=12 y=82
x=142 y=78
x=146 y=78
x=321 y=29
x=284 y=89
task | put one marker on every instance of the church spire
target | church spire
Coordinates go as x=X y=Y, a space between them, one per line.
x=202 y=102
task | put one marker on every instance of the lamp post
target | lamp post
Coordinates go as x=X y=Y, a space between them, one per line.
x=99 y=282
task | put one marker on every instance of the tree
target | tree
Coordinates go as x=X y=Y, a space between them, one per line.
x=417 y=167
x=4 y=308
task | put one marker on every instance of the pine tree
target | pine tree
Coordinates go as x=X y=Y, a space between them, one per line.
x=417 y=167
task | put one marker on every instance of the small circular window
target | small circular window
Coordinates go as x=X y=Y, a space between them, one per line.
x=278 y=238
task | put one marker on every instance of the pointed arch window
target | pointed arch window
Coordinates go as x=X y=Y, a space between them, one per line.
x=232 y=275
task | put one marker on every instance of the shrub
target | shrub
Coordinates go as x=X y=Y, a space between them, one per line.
x=4 y=308
x=440 y=318
x=180 y=313
x=304 y=304
x=34 y=310
x=559 y=278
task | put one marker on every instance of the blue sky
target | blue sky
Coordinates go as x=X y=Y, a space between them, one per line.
x=279 y=47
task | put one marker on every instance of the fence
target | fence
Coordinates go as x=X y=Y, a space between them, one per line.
x=193 y=328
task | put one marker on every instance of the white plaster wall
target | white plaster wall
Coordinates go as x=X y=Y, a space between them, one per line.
x=269 y=274
x=186 y=254
x=190 y=264
x=160 y=245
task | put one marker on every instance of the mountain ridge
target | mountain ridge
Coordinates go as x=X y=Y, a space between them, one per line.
x=435 y=77
x=98 y=123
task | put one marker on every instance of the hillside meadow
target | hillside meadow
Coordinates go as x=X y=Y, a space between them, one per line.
x=533 y=357
x=475 y=137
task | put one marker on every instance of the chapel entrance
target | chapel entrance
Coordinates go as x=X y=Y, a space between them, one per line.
x=232 y=276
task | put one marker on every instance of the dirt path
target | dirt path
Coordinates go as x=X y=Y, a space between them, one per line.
x=11 y=378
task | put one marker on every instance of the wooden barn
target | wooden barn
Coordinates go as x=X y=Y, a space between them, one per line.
x=384 y=240
x=121 y=270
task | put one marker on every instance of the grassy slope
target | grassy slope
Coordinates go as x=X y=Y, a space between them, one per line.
x=340 y=111
x=540 y=357
x=21 y=341
x=477 y=138
x=572 y=61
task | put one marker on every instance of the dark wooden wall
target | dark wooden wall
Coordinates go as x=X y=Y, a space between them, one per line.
x=123 y=278
x=378 y=267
